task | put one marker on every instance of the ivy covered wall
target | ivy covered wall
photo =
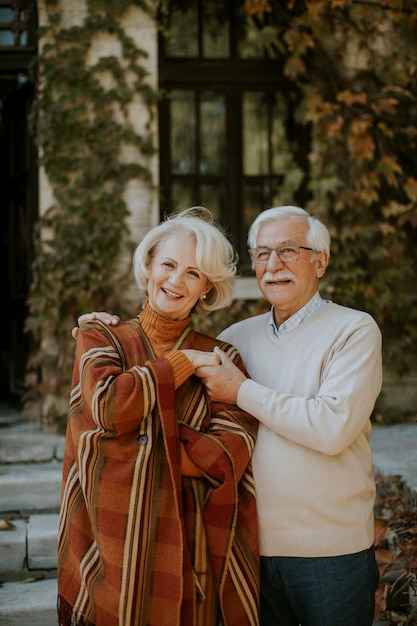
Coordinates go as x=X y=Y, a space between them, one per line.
x=95 y=124
x=354 y=64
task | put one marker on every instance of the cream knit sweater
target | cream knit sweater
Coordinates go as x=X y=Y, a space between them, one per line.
x=313 y=392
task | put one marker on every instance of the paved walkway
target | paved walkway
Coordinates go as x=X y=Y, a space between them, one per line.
x=30 y=477
x=395 y=452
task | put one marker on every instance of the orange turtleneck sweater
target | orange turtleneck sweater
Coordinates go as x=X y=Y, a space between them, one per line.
x=163 y=335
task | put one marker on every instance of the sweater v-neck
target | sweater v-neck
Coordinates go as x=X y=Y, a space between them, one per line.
x=309 y=321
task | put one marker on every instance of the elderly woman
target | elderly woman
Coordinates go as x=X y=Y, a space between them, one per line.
x=158 y=516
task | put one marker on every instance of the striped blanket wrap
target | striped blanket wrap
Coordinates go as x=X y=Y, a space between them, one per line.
x=140 y=544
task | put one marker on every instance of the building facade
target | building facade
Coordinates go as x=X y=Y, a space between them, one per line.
x=223 y=131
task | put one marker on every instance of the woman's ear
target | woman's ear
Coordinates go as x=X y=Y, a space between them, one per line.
x=208 y=288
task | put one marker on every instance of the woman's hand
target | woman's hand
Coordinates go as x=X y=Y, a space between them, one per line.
x=199 y=358
x=106 y=318
x=222 y=382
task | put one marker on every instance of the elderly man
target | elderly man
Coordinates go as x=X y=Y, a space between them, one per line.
x=315 y=373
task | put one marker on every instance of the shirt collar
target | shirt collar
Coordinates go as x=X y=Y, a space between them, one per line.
x=298 y=317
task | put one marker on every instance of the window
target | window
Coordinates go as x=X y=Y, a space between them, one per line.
x=227 y=137
x=16 y=27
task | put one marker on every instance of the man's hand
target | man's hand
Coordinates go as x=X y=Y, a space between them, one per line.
x=106 y=318
x=222 y=381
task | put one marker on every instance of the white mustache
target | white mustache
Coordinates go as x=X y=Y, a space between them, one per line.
x=281 y=275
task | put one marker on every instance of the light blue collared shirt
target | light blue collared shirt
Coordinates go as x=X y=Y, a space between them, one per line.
x=300 y=316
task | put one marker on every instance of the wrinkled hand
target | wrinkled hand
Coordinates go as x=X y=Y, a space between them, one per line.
x=202 y=359
x=222 y=381
x=106 y=318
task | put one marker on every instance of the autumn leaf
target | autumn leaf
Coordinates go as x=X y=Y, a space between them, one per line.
x=397 y=89
x=394 y=209
x=390 y=169
x=6 y=525
x=316 y=8
x=385 y=105
x=411 y=188
x=257 y=7
x=349 y=97
x=33 y=579
x=298 y=41
x=336 y=126
x=380 y=530
x=361 y=146
x=381 y=599
x=294 y=67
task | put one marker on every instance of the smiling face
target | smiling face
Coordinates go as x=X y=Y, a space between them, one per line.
x=288 y=286
x=175 y=284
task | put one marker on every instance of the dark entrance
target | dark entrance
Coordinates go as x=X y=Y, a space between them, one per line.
x=19 y=189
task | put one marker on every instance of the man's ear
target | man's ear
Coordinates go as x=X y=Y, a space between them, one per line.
x=322 y=262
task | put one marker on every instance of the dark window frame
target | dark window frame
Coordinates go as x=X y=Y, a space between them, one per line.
x=232 y=76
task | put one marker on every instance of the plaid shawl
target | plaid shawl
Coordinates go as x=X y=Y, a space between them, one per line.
x=136 y=538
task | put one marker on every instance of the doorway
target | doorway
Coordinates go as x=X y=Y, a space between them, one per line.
x=19 y=187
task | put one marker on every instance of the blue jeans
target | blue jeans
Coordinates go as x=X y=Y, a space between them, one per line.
x=325 y=591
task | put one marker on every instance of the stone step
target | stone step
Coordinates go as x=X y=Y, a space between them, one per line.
x=29 y=548
x=28 y=443
x=42 y=541
x=30 y=486
x=29 y=603
x=27 y=488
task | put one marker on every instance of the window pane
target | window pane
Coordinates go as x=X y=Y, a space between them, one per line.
x=6 y=14
x=266 y=147
x=279 y=139
x=182 y=40
x=215 y=29
x=283 y=162
x=255 y=134
x=183 y=195
x=256 y=199
x=212 y=197
x=249 y=40
x=212 y=132
x=6 y=38
x=256 y=40
x=284 y=187
x=183 y=125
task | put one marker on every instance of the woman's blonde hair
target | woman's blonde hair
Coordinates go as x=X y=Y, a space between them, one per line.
x=215 y=255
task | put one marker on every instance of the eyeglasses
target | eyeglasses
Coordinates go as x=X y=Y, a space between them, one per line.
x=262 y=254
